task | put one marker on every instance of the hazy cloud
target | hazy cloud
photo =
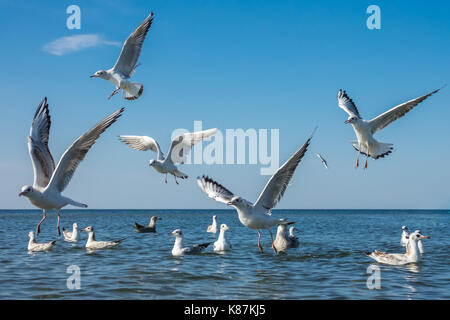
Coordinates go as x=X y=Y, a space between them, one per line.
x=65 y=45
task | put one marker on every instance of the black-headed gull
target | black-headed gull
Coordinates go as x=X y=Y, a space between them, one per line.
x=257 y=215
x=411 y=256
x=178 y=152
x=146 y=229
x=127 y=63
x=179 y=250
x=222 y=244
x=94 y=244
x=49 y=181
x=404 y=237
x=72 y=236
x=364 y=129
x=34 y=247
x=213 y=227
x=324 y=162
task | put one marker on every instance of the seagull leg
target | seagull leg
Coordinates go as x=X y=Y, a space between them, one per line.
x=113 y=93
x=273 y=247
x=357 y=158
x=38 y=228
x=367 y=158
x=175 y=179
x=57 y=224
x=165 y=180
x=259 y=241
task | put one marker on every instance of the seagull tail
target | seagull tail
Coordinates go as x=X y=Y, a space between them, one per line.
x=180 y=175
x=78 y=204
x=133 y=90
x=380 y=151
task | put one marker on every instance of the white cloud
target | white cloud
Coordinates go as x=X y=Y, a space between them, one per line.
x=65 y=45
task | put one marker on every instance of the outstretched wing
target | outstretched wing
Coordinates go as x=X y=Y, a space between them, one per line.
x=127 y=61
x=41 y=158
x=399 y=111
x=214 y=190
x=142 y=143
x=77 y=151
x=347 y=104
x=275 y=188
x=181 y=145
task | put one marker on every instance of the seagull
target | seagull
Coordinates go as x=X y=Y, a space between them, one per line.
x=34 y=247
x=179 y=250
x=283 y=241
x=178 y=152
x=213 y=227
x=93 y=244
x=293 y=238
x=419 y=244
x=405 y=236
x=145 y=229
x=324 y=162
x=50 y=181
x=73 y=236
x=411 y=255
x=127 y=63
x=257 y=215
x=364 y=129
x=221 y=244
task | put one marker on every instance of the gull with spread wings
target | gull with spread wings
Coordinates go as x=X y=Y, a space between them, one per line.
x=126 y=63
x=364 y=129
x=257 y=215
x=178 y=152
x=50 y=181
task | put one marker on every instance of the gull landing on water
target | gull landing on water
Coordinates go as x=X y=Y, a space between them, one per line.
x=257 y=215
x=179 y=250
x=50 y=181
x=127 y=63
x=178 y=152
x=364 y=129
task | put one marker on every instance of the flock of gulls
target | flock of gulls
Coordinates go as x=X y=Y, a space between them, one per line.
x=50 y=180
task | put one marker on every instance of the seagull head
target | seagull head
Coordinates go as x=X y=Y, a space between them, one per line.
x=31 y=235
x=176 y=233
x=26 y=191
x=154 y=218
x=224 y=227
x=100 y=74
x=351 y=119
x=405 y=228
x=418 y=236
x=75 y=225
x=88 y=229
x=235 y=201
x=151 y=162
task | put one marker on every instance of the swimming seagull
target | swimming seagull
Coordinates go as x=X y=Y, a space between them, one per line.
x=257 y=215
x=405 y=236
x=34 y=247
x=411 y=256
x=49 y=181
x=293 y=238
x=283 y=241
x=179 y=250
x=419 y=244
x=324 y=162
x=146 y=229
x=127 y=63
x=222 y=244
x=364 y=129
x=73 y=236
x=178 y=152
x=94 y=244
x=213 y=227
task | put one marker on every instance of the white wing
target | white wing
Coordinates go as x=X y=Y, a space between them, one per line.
x=181 y=145
x=399 y=111
x=347 y=104
x=324 y=162
x=77 y=151
x=41 y=158
x=214 y=190
x=143 y=143
x=127 y=61
x=275 y=188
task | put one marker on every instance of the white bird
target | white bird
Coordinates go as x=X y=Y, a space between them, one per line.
x=420 y=244
x=324 y=162
x=222 y=244
x=283 y=240
x=49 y=181
x=127 y=63
x=179 y=250
x=257 y=215
x=364 y=129
x=73 y=236
x=178 y=152
x=411 y=256
x=34 y=247
x=405 y=236
x=146 y=229
x=94 y=244
x=213 y=227
x=293 y=238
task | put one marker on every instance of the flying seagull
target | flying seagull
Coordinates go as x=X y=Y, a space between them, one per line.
x=127 y=63
x=324 y=162
x=364 y=129
x=50 y=181
x=178 y=152
x=257 y=215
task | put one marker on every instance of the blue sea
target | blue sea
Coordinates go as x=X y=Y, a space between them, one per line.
x=329 y=264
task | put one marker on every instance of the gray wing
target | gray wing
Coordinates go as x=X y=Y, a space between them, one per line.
x=127 y=61
x=77 y=151
x=181 y=145
x=399 y=111
x=275 y=188
x=347 y=104
x=214 y=190
x=142 y=143
x=41 y=158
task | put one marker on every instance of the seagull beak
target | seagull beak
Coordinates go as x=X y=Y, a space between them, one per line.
x=425 y=237
x=229 y=203
x=347 y=121
x=93 y=76
x=21 y=194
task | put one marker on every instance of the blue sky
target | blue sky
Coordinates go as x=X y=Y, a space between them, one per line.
x=234 y=64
